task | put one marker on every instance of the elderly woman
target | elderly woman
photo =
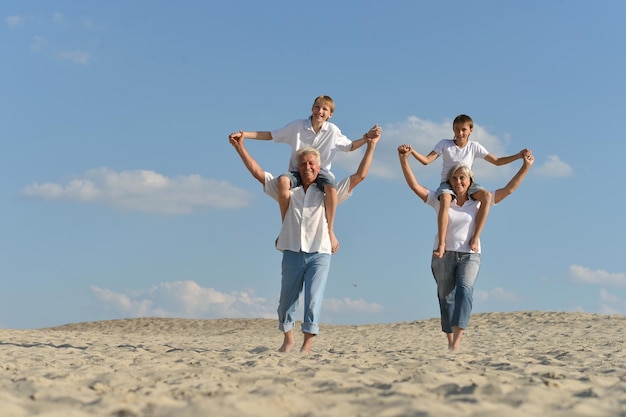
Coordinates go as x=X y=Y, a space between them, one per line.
x=456 y=272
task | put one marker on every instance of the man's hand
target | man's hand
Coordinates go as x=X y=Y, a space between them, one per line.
x=375 y=131
x=529 y=159
x=522 y=154
x=236 y=139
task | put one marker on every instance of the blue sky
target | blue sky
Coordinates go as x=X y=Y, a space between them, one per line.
x=121 y=196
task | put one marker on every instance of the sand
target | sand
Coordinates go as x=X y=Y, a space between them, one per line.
x=512 y=364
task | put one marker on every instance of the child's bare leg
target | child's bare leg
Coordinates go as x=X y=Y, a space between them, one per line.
x=484 y=197
x=330 y=203
x=308 y=343
x=288 y=342
x=449 y=336
x=442 y=223
x=284 y=185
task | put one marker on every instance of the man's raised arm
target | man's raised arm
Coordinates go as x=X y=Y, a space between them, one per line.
x=236 y=139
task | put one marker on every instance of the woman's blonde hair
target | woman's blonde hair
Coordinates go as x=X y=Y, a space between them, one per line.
x=464 y=168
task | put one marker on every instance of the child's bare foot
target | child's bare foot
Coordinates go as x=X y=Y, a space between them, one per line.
x=334 y=243
x=288 y=342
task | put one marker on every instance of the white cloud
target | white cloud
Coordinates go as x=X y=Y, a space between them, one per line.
x=39 y=44
x=611 y=303
x=584 y=275
x=423 y=135
x=14 y=21
x=185 y=299
x=347 y=305
x=58 y=18
x=554 y=168
x=76 y=57
x=143 y=191
x=42 y=46
x=49 y=49
x=91 y=25
x=496 y=294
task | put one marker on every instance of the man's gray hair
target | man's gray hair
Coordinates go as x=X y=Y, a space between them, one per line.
x=309 y=150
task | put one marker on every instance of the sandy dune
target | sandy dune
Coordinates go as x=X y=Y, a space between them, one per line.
x=512 y=364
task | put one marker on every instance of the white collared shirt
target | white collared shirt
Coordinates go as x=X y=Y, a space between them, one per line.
x=305 y=228
x=327 y=141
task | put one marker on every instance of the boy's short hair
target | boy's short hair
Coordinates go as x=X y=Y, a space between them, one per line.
x=325 y=100
x=463 y=118
x=309 y=150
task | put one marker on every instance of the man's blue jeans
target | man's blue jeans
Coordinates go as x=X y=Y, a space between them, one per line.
x=308 y=270
x=455 y=275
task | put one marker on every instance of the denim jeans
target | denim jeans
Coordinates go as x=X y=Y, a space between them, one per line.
x=446 y=188
x=455 y=275
x=308 y=270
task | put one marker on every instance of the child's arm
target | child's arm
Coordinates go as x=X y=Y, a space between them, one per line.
x=505 y=159
x=263 y=135
x=375 y=131
x=425 y=160
x=356 y=144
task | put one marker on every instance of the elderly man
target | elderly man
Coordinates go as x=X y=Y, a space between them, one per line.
x=304 y=239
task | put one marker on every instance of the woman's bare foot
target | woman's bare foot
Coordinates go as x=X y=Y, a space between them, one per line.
x=307 y=344
x=454 y=345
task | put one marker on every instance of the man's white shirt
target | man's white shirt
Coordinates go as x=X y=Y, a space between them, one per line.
x=305 y=227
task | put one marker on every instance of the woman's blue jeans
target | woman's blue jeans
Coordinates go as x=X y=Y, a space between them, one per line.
x=308 y=270
x=455 y=274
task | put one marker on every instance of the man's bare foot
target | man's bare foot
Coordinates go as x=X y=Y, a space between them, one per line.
x=307 y=344
x=288 y=342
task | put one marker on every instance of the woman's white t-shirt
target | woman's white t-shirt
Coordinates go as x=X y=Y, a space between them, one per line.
x=461 y=220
